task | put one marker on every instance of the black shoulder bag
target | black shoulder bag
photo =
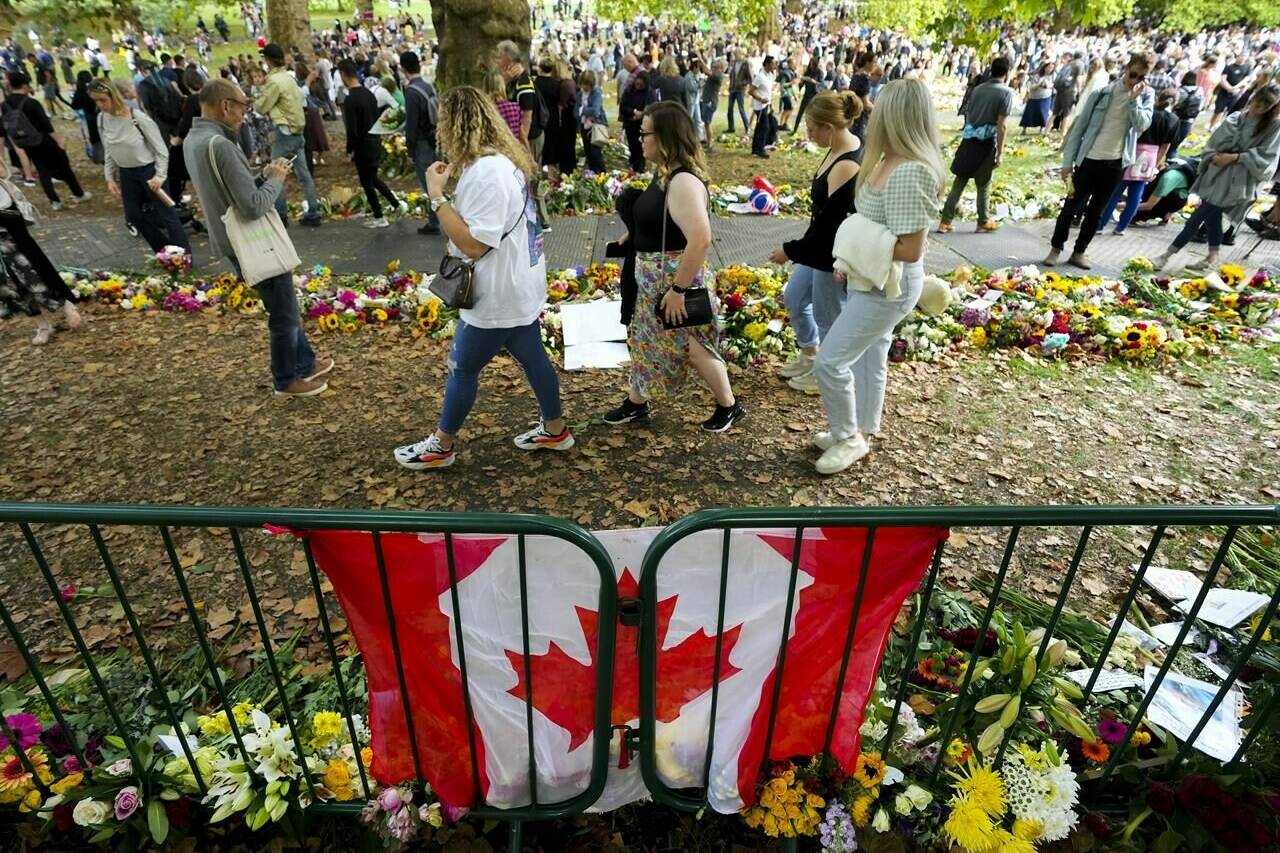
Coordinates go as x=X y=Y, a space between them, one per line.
x=697 y=300
x=454 y=283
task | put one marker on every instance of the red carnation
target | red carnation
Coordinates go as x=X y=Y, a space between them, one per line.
x=178 y=812
x=1098 y=825
x=1160 y=798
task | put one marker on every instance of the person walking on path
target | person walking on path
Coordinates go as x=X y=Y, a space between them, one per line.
x=280 y=99
x=421 y=115
x=1035 y=113
x=1239 y=157
x=898 y=187
x=671 y=240
x=295 y=371
x=982 y=145
x=1102 y=142
x=360 y=112
x=24 y=122
x=711 y=99
x=136 y=165
x=812 y=297
x=29 y=283
x=490 y=220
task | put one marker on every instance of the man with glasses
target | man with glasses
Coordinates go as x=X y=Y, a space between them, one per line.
x=294 y=369
x=1103 y=141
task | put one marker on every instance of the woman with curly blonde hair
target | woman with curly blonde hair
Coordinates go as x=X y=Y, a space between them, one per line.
x=490 y=223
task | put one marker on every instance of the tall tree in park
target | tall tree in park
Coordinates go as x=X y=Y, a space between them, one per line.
x=468 y=31
x=758 y=18
x=289 y=24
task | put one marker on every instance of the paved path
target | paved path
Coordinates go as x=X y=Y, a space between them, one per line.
x=346 y=246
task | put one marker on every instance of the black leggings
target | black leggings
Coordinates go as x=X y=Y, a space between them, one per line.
x=367 y=169
x=804 y=105
x=51 y=162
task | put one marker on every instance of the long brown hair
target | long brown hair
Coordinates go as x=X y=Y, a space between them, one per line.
x=470 y=128
x=676 y=140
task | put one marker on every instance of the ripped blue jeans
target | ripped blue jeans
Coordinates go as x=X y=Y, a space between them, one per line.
x=474 y=347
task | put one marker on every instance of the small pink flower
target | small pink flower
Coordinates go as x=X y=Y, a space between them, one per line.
x=69 y=593
x=127 y=802
x=452 y=813
x=390 y=799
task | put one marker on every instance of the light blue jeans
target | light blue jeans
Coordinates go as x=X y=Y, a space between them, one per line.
x=814 y=301
x=294 y=145
x=853 y=361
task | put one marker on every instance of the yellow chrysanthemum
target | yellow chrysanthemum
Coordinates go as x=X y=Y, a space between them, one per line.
x=31 y=802
x=326 y=724
x=971 y=828
x=214 y=725
x=243 y=712
x=1027 y=829
x=1140 y=738
x=861 y=810
x=978 y=337
x=983 y=788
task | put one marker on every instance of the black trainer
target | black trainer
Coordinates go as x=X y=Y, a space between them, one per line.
x=724 y=417
x=428 y=228
x=628 y=412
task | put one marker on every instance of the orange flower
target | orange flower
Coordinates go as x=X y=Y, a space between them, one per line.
x=1097 y=752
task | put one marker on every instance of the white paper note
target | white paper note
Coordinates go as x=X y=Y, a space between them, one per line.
x=1227 y=607
x=1180 y=703
x=592 y=322
x=1173 y=584
x=599 y=354
x=1108 y=679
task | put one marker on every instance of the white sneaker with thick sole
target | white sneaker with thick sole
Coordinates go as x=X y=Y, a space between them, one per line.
x=824 y=441
x=425 y=455
x=842 y=454
x=799 y=364
x=539 y=439
x=379 y=222
x=806 y=382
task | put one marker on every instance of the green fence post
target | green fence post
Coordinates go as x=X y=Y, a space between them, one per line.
x=1123 y=612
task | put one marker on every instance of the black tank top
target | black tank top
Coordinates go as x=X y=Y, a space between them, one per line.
x=844 y=196
x=647 y=236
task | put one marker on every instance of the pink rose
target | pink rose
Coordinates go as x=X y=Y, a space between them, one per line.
x=69 y=593
x=127 y=802
x=389 y=800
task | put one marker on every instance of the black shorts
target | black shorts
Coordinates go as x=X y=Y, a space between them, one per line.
x=787 y=106
x=1222 y=101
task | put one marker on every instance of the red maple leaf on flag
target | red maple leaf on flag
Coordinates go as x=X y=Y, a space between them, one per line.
x=564 y=688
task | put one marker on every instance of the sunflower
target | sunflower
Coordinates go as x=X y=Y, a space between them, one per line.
x=869 y=770
x=861 y=811
x=328 y=322
x=349 y=327
x=1097 y=752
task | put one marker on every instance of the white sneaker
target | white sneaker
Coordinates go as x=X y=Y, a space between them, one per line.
x=824 y=441
x=379 y=222
x=57 y=205
x=842 y=454
x=539 y=439
x=402 y=208
x=424 y=455
x=806 y=382
x=80 y=199
x=799 y=364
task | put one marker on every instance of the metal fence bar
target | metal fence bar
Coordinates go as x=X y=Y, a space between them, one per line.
x=921 y=614
x=1227 y=683
x=395 y=652
x=272 y=664
x=462 y=663
x=982 y=632
x=1063 y=594
x=78 y=639
x=174 y=719
x=780 y=668
x=33 y=667
x=528 y=671
x=333 y=659
x=1187 y=622
x=206 y=651
x=848 y=640
x=1259 y=725
x=715 y=663
x=1123 y=612
x=21 y=752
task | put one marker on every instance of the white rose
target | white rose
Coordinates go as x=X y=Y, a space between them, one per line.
x=881 y=821
x=919 y=797
x=902 y=804
x=123 y=767
x=90 y=813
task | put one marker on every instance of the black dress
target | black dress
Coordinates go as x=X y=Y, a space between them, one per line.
x=28 y=281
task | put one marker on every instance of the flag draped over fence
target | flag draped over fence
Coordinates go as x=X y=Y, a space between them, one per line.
x=564 y=598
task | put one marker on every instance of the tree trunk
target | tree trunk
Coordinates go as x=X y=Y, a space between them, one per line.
x=364 y=10
x=770 y=27
x=467 y=32
x=289 y=24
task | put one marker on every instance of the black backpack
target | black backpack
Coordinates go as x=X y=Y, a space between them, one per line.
x=164 y=104
x=18 y=127
x=1191 y=105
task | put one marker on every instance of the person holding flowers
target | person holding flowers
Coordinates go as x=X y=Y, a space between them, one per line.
x=899 y=188
x=491 y=220
x=813 y=298
x=671 y=239
x=1239 y=157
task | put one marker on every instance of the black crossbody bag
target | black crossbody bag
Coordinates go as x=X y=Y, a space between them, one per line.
x=697 y=300
x=455 y=282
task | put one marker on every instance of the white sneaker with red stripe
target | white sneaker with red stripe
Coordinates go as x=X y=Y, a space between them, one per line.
x=540 y=439
x=425 y=455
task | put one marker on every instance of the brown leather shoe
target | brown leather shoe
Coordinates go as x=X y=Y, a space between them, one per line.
x=987 y=227
x=304 y=388
x=324 y=366
x=944 y=228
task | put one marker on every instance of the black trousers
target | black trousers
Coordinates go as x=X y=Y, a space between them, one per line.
x=594 y=155
x=1092 y=184
x=367 y=170
x=760 y=138
x=51 y=162
x=804 y=105
x=633 y=145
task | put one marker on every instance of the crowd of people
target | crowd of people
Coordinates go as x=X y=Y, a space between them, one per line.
x=1120 y=104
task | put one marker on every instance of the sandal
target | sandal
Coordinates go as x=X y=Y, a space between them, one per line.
x=42 y=335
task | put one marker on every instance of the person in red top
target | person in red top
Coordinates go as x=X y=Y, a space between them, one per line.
x=495 y=86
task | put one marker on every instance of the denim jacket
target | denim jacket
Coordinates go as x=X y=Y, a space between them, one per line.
x=1086 y=127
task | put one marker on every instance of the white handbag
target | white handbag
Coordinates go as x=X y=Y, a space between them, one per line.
x=262 y=246
x=599 y=135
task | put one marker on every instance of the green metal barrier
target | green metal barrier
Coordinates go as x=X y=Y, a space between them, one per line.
x=1014 y=520
x=235 y=520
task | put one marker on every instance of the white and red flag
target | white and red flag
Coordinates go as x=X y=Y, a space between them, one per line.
x=563 y=588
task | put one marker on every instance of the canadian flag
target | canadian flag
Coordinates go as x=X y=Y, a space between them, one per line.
x=564 y=592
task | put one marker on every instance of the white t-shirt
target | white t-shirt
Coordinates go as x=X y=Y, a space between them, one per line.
x=763 y=84
x=510 y=281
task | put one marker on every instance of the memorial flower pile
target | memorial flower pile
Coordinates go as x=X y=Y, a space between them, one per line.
x=173 y=260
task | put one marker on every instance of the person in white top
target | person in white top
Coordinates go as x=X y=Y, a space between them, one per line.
x=761 y=91
x=491 y=224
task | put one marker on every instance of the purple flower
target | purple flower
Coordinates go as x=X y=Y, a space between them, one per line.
x=127 y=802
x=1112 y=731
x=26 y=727
x=452 y=813
x=57 y=741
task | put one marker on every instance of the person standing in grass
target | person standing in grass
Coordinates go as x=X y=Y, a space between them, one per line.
x=812 y=296
x=982 y=146
x=490 y=221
